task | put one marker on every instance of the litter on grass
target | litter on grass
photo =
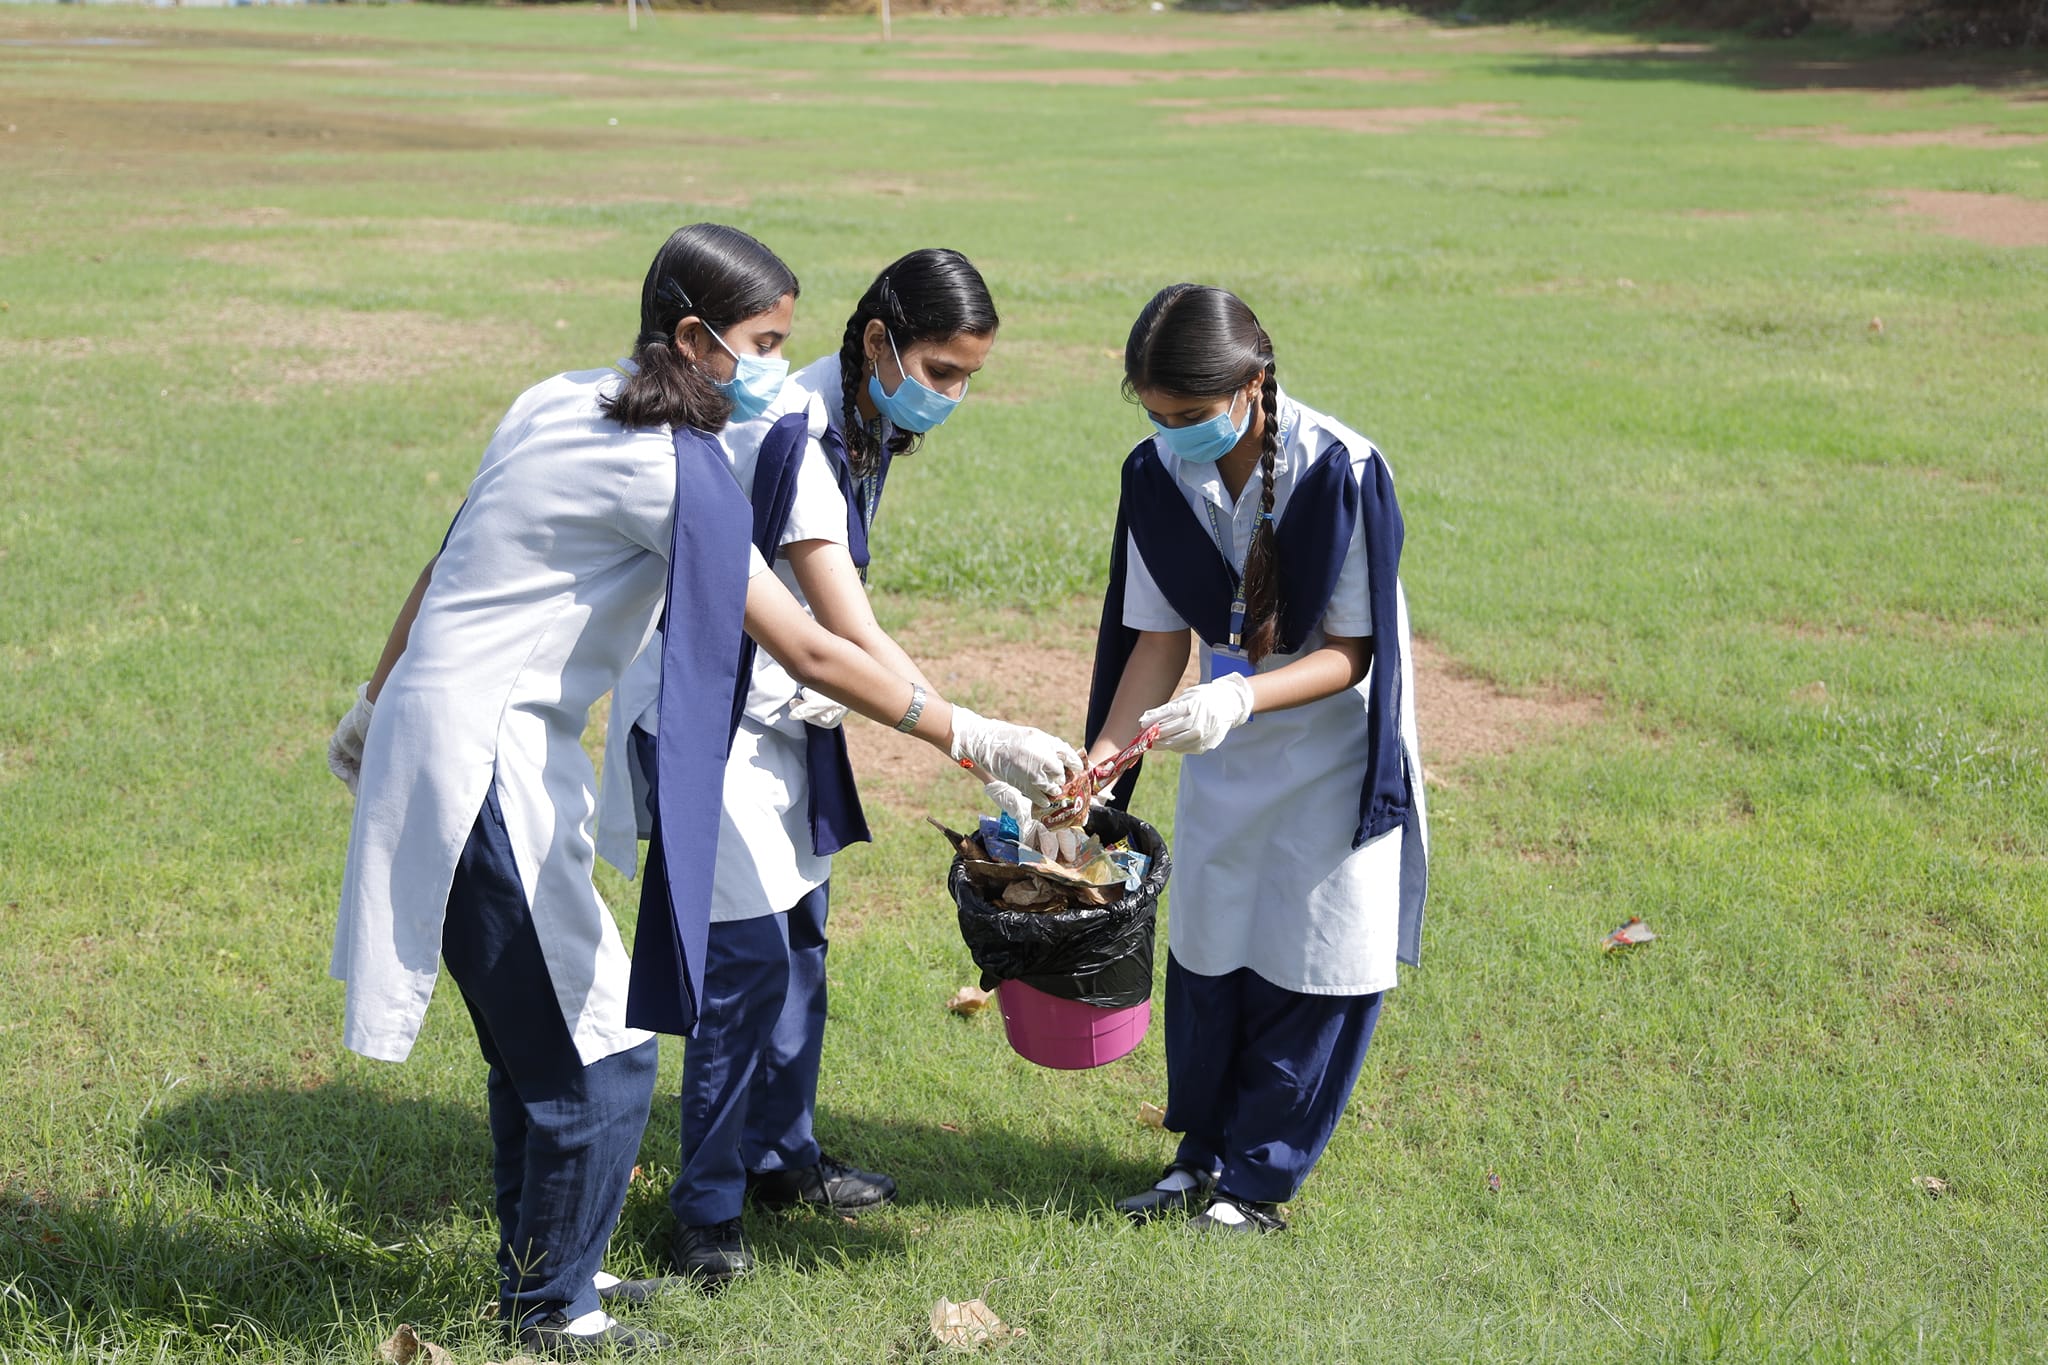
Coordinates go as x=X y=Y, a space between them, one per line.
x=970 y=1326
x=404 y=1347
x=1628 y=935
x=969 y=1000
x=1151 y=1115
x=1933 y=1186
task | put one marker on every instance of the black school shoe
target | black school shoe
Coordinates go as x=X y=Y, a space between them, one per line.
x=1257 y=1217
x=829 y=1185
x=1155 y=1202
x=637 y=1292
x=711 y=1255
x=545 y=1337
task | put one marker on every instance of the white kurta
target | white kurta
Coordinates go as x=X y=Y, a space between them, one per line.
x=1264 y=873
x=552 y=578
x=765 y=858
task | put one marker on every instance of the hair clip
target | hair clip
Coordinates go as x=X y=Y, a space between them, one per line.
x=671 y=292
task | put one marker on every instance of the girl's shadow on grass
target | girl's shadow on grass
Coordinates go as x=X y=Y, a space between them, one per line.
x=939 y=1172
x=385 y=1162
x=269 y=1212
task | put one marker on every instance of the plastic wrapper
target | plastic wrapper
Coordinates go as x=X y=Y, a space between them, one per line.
x=1097 y=954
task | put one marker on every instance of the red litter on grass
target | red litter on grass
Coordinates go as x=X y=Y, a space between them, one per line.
x=1628 y=935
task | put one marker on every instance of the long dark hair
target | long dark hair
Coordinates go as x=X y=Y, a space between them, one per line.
x=717 y=274
x=1197 y=341
x=929 y=295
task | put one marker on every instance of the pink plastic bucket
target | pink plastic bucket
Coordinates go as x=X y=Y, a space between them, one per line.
x=1066 y=1034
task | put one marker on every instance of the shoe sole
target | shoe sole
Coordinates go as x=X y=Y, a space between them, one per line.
x=798 y=1201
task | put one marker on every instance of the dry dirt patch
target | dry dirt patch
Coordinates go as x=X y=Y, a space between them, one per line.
x=258 y=351
x=115 y=128
x=1988 y=219
x=1461 y=717
x=1075 y=75
x=1483 y=118
x=296 y=243
x=1090 y=44
x=1973 y=137
x=1364 y=75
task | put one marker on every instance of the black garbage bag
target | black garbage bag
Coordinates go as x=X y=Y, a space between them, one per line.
x=1096 y=954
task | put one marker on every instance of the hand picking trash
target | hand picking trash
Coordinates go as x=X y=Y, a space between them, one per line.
x=1063 y=898
x=1042 y=857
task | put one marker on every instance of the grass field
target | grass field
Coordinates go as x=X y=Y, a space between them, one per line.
x=1715 y=415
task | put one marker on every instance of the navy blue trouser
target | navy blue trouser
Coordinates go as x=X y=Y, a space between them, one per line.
x=1257 y=1076
x=564 y=1136
x=750 y=1075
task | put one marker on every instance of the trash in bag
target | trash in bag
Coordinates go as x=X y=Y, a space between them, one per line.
x=1096 y=949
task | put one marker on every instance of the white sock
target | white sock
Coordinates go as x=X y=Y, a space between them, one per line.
x=1225 y=1212
x=1174 y=1181
x=603 y=1280
x=590 y=1324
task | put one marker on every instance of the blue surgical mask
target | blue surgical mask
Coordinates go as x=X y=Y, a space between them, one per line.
x=915 y=406
x=755 y=382
x=1205 y=442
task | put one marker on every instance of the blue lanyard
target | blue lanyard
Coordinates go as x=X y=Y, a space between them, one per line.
x=1237 y=606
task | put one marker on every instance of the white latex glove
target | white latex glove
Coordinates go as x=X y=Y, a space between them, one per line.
x=1197 y=720
x=815 y=708
x=345 y=750
x=1036 y=763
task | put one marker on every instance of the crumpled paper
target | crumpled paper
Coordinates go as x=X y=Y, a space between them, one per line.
x=969 y=1000
x=970 y=1326
x=405 y=1347
x=1628 y=935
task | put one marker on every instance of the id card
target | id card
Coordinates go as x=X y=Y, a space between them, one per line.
x=1223 y=662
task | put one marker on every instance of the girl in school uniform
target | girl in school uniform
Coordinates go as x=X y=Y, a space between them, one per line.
x=602 y=502
x=1267 y=532
x=750 y=1074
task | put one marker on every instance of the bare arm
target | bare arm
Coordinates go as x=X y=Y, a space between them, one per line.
x=1154 y=670
x=839 y=599
x=401 y=630
x=843 y=671
x=1339 y=663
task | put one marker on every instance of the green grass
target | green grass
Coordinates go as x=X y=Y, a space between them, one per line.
x=269 y=278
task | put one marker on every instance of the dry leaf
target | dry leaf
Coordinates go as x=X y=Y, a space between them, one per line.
x=1934 y=1185
x=949 y=1127
x=1151 y=1115
x=1877 y=327
x=970 y=1326
x=1628 y=935
x=404 y=1347
x=969 y=1000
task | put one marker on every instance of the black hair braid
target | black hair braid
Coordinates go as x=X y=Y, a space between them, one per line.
x=1262 y=556
x=927 y=295
x=860 y=451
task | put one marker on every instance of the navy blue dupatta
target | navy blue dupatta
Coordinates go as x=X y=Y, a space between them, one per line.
x=1314 y=533
x=702 y=640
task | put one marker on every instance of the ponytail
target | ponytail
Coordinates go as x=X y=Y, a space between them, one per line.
x=1196 y=341
x=718 y=275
